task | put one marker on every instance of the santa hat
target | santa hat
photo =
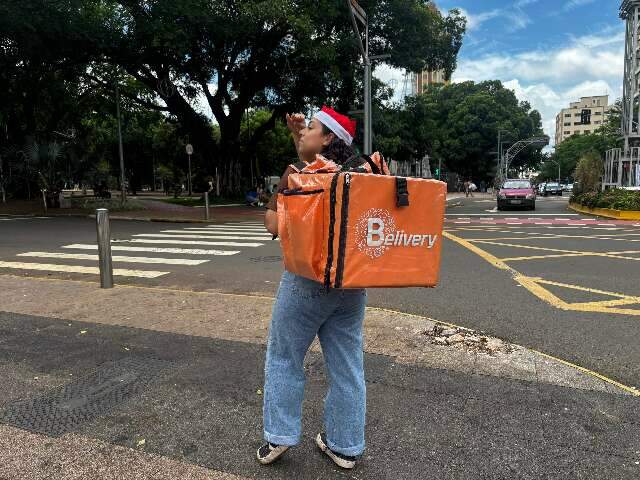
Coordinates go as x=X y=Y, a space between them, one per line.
x=341 y=125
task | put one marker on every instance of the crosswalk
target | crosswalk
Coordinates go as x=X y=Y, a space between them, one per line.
x=17 y=218
x=186 y=247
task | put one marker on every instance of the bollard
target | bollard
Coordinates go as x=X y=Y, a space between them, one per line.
x=206 y=205
x=104 y=248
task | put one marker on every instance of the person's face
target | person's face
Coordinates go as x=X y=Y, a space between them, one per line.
x=313 y=139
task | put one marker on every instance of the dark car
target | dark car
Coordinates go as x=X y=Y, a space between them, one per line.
x=552 y=189
x=517 y=193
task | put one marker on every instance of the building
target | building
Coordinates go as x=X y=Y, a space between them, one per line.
x=582 y=118
x=622 y=165
x=424 y=79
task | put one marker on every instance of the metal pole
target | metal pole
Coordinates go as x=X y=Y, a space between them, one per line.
x=206 y=205
x=439 y=168
x=189 y=183
x=499 y=151
x=368 y=141
x=123 y=193
x=104 y=248
x=217 y=183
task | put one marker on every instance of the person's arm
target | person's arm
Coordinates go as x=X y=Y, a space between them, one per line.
x=271 y=222
x=296 y=123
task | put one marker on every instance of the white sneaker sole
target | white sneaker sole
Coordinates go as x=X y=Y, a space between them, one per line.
x=275 y=454
x=341 y=462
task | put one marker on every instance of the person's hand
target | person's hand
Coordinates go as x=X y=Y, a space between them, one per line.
x=296 y=123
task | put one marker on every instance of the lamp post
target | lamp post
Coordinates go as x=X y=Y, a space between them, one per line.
x=358 y=14
x=558 y=164
x=189 y=150
x=123 y=188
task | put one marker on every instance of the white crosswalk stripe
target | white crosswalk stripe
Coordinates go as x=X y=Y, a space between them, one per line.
x=212 y=237
x=265 y=235
x=79 y=269
x=179 y=251
x=115 y=258
x=168 y=248
x=190 y=242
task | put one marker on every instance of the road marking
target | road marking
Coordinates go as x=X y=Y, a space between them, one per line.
x=534 y=285
x=264 y=234
x=78 y=269
x=185 y=251
x=505 y=214
x=190 y=242
x=229 y=229
x=212 y=237
x=116 y=258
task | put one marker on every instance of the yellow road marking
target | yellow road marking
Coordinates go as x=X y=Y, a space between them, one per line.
x=534 y=285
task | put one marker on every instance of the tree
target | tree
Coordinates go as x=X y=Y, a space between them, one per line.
x=589 y=173
x=276 y=55
x=459 y=125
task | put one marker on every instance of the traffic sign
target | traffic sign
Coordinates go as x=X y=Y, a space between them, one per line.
x=189 y=149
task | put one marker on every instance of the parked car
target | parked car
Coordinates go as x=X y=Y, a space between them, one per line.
x=568 y=188
x=552 y=188
x=517 y=193
x=540 y=188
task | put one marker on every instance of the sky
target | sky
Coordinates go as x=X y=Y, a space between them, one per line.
x=550 y=52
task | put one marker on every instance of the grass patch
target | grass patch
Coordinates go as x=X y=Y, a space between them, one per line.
x=615 y=198
x=113 y=204
x=199 y=202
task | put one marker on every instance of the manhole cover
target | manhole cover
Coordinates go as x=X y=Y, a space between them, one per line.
x=273 y=259
x=66 y=408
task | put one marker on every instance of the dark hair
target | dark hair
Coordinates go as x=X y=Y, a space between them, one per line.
x=337 y=150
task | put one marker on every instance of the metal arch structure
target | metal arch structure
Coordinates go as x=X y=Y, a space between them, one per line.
x=518 y=147
x=622 y=165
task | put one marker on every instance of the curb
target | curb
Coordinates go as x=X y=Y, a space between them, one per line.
x=606 y=212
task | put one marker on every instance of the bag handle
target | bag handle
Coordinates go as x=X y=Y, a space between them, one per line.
x=402 y=192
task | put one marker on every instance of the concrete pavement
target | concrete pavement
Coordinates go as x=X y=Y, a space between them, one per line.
x=438 y=406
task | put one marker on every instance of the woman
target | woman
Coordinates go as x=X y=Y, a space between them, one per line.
x=304 y=309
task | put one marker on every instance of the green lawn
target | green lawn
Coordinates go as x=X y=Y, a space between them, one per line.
x=195 y=202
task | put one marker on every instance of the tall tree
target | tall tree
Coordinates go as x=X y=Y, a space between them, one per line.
x=278 y=55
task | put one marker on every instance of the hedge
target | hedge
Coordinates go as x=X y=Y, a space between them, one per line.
x=615 y=198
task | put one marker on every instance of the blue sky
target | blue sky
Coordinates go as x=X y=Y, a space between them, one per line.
x=550 y=52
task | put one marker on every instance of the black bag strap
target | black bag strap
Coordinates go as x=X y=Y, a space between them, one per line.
x=298 y=166
x=402 y=193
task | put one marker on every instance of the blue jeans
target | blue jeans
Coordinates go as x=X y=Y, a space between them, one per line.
x=302 y=310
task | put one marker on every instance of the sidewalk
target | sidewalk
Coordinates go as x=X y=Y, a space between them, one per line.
x=150 y=210
x=153 y=209
x=149 y=383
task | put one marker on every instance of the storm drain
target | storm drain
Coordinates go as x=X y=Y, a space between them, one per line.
x=67 y=408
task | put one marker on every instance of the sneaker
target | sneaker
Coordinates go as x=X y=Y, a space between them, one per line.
x=269 y=453
x=339 y=459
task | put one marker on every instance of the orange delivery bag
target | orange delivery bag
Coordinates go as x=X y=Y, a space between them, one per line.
x=348 y=229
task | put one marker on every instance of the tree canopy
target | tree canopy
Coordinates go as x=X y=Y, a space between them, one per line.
x=458 y=124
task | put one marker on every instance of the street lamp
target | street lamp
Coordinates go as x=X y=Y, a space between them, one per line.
x=189 y=150
x=557 y=163
x=123 y=188
x=358 y=14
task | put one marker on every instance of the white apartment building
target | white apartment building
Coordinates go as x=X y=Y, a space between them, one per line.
x=582 y=118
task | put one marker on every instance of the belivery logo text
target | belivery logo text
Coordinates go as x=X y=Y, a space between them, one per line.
x=377 y=232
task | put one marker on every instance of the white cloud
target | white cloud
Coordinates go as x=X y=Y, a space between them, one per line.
x=514 y=19
x=550 y=79
x=571 y=4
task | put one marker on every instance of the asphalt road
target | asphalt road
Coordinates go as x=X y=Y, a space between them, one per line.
x=568 y=287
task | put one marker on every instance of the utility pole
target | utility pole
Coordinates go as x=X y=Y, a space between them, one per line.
x=123 y=188
x=189 y=150
x=358 y=14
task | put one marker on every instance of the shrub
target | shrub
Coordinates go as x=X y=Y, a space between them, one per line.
x=615 y=198
x=588 y=172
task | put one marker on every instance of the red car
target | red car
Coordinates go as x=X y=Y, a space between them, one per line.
x=517 y=193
